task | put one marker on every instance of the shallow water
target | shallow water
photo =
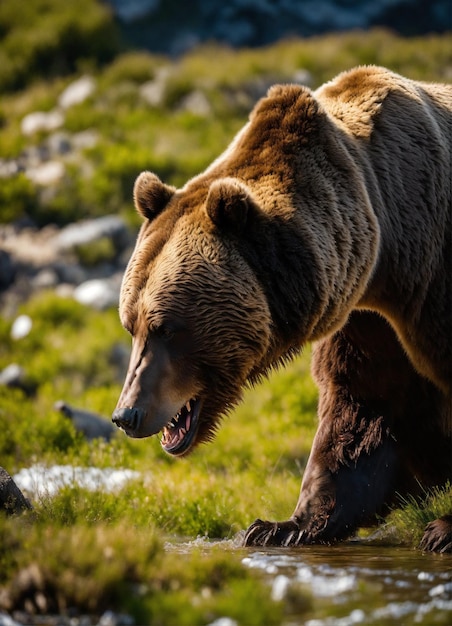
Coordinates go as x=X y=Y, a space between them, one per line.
x=353 y=583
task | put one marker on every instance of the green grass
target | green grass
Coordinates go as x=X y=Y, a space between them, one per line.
x=407 y=522
x=123 y=567
x=98 y=550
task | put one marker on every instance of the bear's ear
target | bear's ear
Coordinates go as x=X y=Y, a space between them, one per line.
x=228 y=203
x=150 y=195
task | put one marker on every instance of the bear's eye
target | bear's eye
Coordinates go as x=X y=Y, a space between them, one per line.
x=164 y=332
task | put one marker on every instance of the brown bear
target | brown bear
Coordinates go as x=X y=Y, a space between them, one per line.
x=326 y=220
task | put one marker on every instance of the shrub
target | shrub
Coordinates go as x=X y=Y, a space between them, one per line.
x=51 y=38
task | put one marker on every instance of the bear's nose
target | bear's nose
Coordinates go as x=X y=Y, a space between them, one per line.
x=128 y=418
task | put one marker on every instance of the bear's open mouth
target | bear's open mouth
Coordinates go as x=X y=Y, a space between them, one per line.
x=180 y=433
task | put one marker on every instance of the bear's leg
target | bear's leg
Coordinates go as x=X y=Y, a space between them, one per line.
x=378 y=420
x=336 y=497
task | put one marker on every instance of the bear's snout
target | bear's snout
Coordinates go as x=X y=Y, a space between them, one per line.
x=128 y=418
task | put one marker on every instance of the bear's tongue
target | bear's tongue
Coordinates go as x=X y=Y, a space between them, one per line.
x=179 y=433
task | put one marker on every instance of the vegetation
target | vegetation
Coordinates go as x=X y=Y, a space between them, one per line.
x=98 y=550
x=213 y=494
x=172 y=117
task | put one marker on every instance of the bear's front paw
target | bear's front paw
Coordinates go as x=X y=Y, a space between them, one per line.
x=438 y=535
x=273 y=534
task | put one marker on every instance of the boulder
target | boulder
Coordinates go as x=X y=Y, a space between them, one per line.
x=12 y=499
x=92 y=426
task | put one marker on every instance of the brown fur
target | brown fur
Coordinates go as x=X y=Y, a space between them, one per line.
x=327 y=219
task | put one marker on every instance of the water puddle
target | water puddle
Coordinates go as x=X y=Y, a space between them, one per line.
x=352 y=583
x=39 y=481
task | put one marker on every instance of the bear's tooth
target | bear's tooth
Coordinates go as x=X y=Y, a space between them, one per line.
x=187 y=406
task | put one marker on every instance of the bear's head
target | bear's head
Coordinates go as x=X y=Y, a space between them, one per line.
x=198 y=317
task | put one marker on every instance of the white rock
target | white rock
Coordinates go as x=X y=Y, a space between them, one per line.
x=197 y=103
x=88 y=231
x=41 y=121
x=21 y=327
x=224 y=621
x=99 y=294
x=85 y=139
x=12 y=374
x=153 y=92
x=77 y=92
x=46 y=174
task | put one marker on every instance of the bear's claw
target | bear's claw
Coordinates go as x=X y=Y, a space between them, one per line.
x=438 y=535
x=262 y=533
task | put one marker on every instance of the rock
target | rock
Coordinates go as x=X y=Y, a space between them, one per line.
x=196 y=103
x=110 y=618
x=7 y=270
x=89 y=231
x=93 y=426
x=85 y=139
x=224 y=621
x=153 y=91
x=21 y=327
x=12 y=499
x=97 y=293
x=70 y=273
x=45 y=174
x=9 y=167
x=41 y=121
x=12 y=376
x=46 y=278
x=59 y=144
x=77 y=92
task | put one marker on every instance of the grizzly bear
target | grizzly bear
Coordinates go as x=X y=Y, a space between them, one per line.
x=326 y=220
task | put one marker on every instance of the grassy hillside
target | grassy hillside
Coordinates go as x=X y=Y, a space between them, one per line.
x=172 y=117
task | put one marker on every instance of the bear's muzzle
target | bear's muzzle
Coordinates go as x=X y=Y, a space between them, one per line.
x=129 y=419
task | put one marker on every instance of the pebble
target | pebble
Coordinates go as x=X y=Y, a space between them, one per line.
x=48 y=173
x=92 y=426
x=41 y=121
x=98 y=294
x=89 y=231
x=12 y=375
x=22 y=325
x=77 y=92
